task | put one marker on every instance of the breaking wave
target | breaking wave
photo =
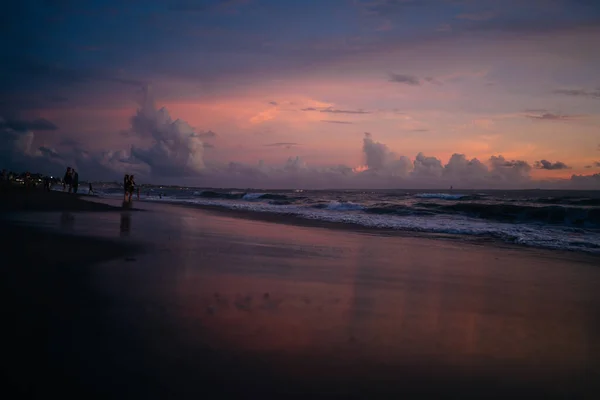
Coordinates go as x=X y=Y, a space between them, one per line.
x=570 y=221
x=550 y=237
x=570 y=216
x=340 y=206
x=240 y=195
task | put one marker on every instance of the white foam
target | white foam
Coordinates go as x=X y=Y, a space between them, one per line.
x=531 y=235
x=252 y=196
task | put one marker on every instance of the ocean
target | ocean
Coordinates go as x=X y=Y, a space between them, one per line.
x=553 y=219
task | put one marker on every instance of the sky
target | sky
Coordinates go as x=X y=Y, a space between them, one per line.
x=304 y=94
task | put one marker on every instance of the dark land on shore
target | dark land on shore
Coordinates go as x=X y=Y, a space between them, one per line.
x=177 y=302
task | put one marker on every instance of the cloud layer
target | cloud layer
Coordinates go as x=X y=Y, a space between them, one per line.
x=177 y=150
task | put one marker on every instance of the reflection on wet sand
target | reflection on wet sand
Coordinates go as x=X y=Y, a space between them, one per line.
x=420 y=322
x=318 y=304
x=125 y=224
x=366 y=300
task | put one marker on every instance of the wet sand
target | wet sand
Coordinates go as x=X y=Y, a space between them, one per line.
x=183 y=303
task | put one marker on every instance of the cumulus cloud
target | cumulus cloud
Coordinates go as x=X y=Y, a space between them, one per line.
x=428 y=170
x=427 y=167
x=177 y=150
x=383 y=168
x=585 y=181
x=17 y=151
x=294 y=164
x=545 y=164
x=461 y=169
x=502 y=170
x=382 y=164
x=377 y=155
x=380 y=159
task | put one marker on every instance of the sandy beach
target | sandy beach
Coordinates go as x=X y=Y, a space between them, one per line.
x=185 y=303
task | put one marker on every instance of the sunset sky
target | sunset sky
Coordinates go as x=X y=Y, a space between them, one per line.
x=276 y=93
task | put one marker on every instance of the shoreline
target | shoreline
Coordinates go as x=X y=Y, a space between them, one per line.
x=297 y=220
x=21 y=200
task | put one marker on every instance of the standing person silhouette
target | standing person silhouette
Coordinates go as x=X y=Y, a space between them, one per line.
x=125 y=186
x=75 y=181
x=68 y=180
x=91 y=190
x=131 y=187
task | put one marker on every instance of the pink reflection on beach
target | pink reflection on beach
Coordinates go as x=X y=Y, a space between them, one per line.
x=346 y=302
x=288 y=291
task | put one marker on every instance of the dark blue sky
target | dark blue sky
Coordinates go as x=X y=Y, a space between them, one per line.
x=62 y=42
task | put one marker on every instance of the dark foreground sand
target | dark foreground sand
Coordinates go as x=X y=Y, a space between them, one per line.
x=183 y=303
x=35 y=199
